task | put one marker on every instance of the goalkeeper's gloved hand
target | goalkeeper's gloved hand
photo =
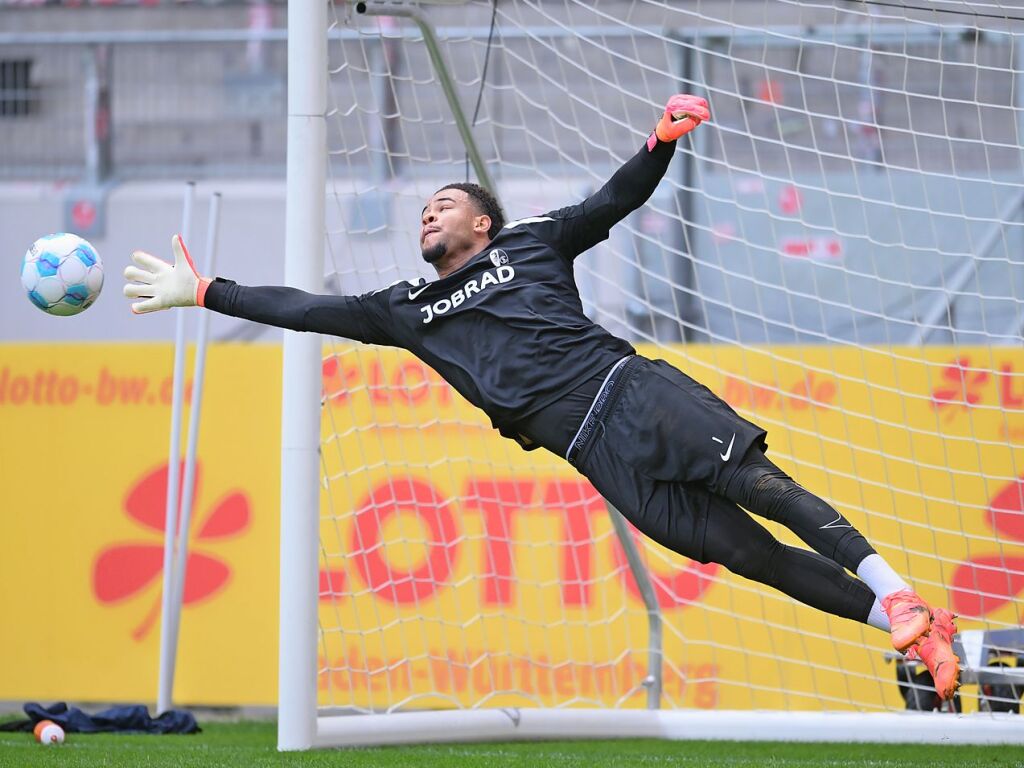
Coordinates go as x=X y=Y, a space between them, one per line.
x=163 y=285
x=683 y=113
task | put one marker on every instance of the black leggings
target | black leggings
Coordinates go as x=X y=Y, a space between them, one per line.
x=663 y=508
x=738 y=542
x=761 y=487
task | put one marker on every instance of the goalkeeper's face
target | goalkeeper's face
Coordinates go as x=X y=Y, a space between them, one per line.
x=452 y=227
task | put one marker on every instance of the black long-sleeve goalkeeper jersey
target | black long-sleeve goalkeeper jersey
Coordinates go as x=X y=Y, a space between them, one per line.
x=507 y=329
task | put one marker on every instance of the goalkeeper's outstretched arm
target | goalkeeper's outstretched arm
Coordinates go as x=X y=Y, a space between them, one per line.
x=159 y=285
x=634 y=183
x=586 y=224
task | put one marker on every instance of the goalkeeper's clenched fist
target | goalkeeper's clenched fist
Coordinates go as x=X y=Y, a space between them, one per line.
x=164 y=285
x=683 y=113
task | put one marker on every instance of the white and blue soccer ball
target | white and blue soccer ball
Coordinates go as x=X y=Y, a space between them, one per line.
x=62 y=274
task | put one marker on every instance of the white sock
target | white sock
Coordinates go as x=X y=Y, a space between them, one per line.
x=877 y=617
x=880 y=578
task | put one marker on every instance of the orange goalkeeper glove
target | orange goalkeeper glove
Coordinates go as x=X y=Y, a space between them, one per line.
x=683 y=113
x=164 y=285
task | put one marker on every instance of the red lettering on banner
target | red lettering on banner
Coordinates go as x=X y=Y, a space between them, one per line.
x=706 y=696
x=565 y=680
x=375 y=382
x=45 y=388
x=332 y=585
x=1006 y=511
x=525 y=683
x=450 y=673
x=1007 y=397
x=542 y=669
x=764 y=396
x=480 y=671
x=808 y=391
x=410 y=382
x=338 y=380
x=124 y=389
x=388 y=499
x=962 y=387
x=68 y=390
x=1011 y=432
x=375 y=673
x=739 y=393
x=578 y=500
x=985 y=583
x=681 y=587
x=761 y=397
x=498 y=500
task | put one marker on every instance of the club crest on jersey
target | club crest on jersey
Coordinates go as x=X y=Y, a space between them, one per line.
x=498 y=257
x=502 y=274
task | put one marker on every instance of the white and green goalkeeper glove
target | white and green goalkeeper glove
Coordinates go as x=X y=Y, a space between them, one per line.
x=164 y=285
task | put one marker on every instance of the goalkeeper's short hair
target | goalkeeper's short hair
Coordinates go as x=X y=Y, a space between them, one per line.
x=485 y=202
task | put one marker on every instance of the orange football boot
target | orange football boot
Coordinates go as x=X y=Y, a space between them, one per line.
x=909 y=617
x=936 y=651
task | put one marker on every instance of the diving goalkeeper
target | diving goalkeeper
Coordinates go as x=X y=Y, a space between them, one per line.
x=504 y=325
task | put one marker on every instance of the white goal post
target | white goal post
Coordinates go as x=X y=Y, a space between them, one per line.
x=837 y=254
x=300 y=398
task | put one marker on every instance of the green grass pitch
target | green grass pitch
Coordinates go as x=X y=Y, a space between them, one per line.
x=252 y=745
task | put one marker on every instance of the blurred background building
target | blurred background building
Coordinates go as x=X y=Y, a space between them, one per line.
x=779 y=230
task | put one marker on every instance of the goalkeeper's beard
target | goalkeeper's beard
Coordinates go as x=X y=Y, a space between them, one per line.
x=435 y=252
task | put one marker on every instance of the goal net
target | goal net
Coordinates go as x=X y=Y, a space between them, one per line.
x=837 y=254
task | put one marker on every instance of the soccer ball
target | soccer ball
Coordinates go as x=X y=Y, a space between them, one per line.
x=62 y=274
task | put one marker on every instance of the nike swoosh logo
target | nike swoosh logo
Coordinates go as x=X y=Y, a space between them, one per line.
x=728 y=451
x=414 y=294
x=831 y=525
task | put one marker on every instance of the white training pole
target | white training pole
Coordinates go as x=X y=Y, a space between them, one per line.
x=166 y=681
x=173 y=618
x=301 y=364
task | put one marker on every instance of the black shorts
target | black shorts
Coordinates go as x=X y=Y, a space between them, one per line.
x=662 y=450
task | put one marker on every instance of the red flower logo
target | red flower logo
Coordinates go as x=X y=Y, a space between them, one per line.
x=962 y=387
x=986 y=583
x=126 y=568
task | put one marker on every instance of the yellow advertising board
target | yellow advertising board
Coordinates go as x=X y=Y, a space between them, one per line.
x=84 y=438
x=452 y=561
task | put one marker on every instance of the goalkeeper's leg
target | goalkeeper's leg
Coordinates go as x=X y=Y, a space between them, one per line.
x=741 y=544
x=761 y=487
x=687 y=518
x=738 y=542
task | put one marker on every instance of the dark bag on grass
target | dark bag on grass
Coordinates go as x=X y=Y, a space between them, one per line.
x=127 y=719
